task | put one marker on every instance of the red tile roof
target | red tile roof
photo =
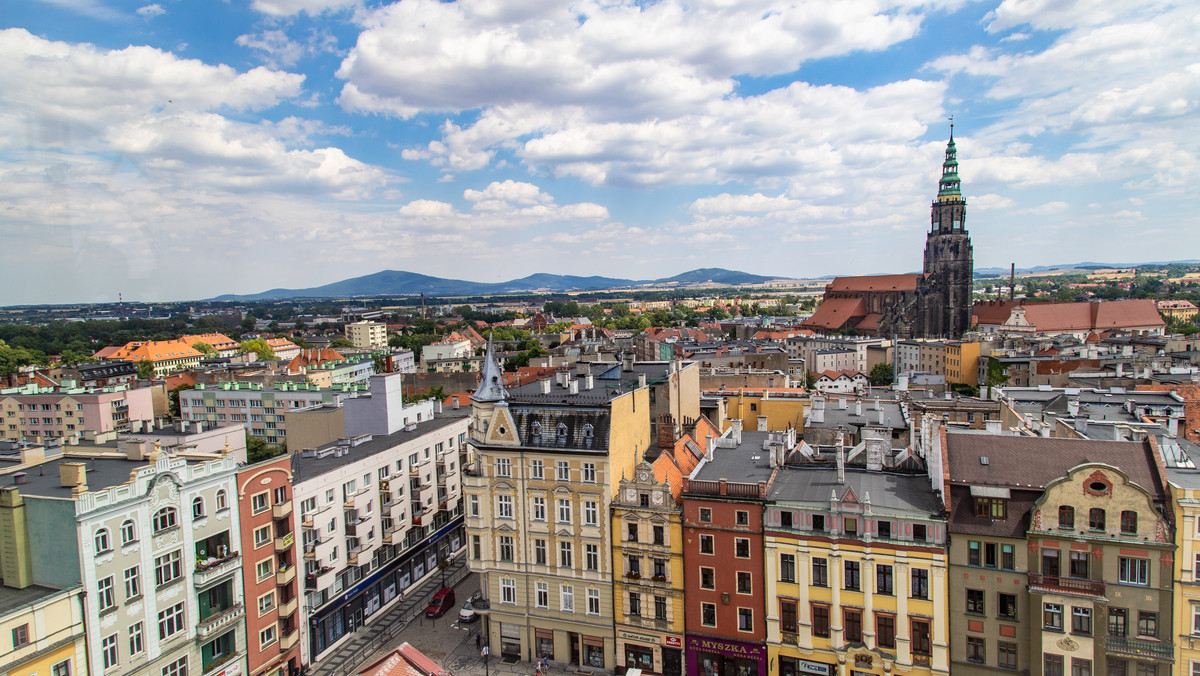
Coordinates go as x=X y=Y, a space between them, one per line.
x=835 y=313
x=1059 y=317
x=313 y=357
x=875 y=283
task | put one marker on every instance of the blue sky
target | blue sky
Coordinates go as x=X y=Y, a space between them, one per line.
x=182 y=149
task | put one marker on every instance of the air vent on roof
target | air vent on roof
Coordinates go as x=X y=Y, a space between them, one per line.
x=983 y=460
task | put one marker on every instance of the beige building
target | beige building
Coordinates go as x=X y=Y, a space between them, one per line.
x=41 y=628
x=367 y=335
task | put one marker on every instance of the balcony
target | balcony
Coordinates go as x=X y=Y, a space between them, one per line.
x=1144 y=648
x=288 y=641
x=213 y=569
x=281 y=510
x=1053 y=584
x=288 y=607
x=221 y=620
x=307 y=519
x=352 y=528
x=311 y=580
x=285 y=576
x=285 y=543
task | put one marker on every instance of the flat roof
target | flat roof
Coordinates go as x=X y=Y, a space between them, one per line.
x=748 y=463
x=308 y=468
x=11 y=598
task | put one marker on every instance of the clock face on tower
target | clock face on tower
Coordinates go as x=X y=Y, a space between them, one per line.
x=658 y=497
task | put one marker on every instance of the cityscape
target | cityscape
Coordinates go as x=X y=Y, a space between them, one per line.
x=452 y=338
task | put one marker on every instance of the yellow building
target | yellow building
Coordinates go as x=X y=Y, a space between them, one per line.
x=41 y=632
x=1177 y=310
x=962 y=362
x=1184 y=483
x=856 y=569
x=765 y=408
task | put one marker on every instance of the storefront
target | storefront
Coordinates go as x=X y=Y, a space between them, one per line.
x=794 y=666
x=510 y=640
x=637 y=651
x=725 y=657
x=593 y=652
x=543 y=643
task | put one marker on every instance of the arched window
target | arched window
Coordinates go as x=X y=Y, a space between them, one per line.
x=1066 y=517
x=198 y=508
x=1129 y=522
x=1096 y=518
x=102 y=542
x=222 y=502
x=164 y=519
x=128 y=532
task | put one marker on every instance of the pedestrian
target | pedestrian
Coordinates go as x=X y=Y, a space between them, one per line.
x=477 y=641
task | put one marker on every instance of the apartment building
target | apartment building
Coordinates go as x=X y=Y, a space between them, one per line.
x=921 y=356
x=167 y=356
x=1061 y=556
x=41 y=628
x=223 y=344
x=262 y=409
x=152 y=539
x=962 y=362
x=1180 y=458
x=367 y=335
x=40 y=414
x=546 y=463
x=376 y=510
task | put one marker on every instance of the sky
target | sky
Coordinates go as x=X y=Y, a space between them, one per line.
x=181 y=149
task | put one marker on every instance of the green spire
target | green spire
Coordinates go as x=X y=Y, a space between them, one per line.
x=948 y=187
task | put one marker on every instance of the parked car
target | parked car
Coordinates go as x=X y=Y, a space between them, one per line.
x=441 y=602
x=467 y=613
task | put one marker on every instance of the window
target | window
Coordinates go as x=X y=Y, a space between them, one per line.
x=635 y=604
x=133 y=582
x=1008 y=557
x=177 y=668
x=706 y=544
x=976 y=649
x=108 y=651
x=537 y=469
x=266 y=603
x=164 y=519
x=660 y=607
x=506 y=548
x=852 y=623
x=787 y=616
x=589 y=513
x=885 y=529
x=1052 y=665
x=167 y=568
x=222 y=500
x=745 y=583
x=541 y=596
x=1118 y=619
x=198 y=507
x=745 y=619
x=503 y=467
x=787 y=567
x=267 y=637
x=820 y=572
x=1052 y=616
x=567 y=598
x=820 y=621
x=258 y=503
x=62 y=668
x=170 y=621
x=852 y=581
x=593 y=602
x=1133 y=571
x=508 y=590
x=920 y=532
x=591 y=558
x=885 y=630
x=135 y=639
x=989 y=554
x=708 y=614
x=660 y=536
x=920 y=583
x=564 y=554
x=1081 y=620
x=975 y=601
x=1147 y=624
x=589 y=472
x=818 y=523
x=883 y=579
x=1096 y=518
x=128 y=533
x=539 y=552
x=1006 y=606
x=539 y=508
x=477 y=548
x=105 y=594
x=20 y=635
x=102 y=542
x=921 y=637
x=504 y=506
x=1195 y=619
x=1078 y=565
x=990 y=508
x=473 y=505
x=264 y=569
x=564 y=510
x=707 y=578
x=742 y=518
x=562 y=471
x=705 y=515
x=262 y=536
x=1007 y=654
x=973 y=553
x=1081 y=667
x=741 y=548
x=1066 y=517
x=1129 y=522
x=850 y=526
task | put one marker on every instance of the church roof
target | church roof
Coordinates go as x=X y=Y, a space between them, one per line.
x=875 y=283
x=1052 y=317
x=834 y=313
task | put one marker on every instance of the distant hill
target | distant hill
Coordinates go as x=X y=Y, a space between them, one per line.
x=401 y=283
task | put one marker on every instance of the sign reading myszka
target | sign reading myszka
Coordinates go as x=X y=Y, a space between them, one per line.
x=640 y=638
x=726 y=647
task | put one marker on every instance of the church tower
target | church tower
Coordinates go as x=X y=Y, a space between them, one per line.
x=949 y=261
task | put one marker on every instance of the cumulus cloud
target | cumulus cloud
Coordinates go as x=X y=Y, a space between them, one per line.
x=150 y=11
x=292 y=7
x=277 y=49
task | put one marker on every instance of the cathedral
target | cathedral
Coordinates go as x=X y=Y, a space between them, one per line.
x=935 y=303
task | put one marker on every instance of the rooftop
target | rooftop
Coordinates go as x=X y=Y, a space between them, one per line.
x=11 y=598
x=747 y=463
x=307 y=467
x=888 y=491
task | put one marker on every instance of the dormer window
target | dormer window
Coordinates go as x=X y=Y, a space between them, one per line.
x=589 y=434
x=536 y=429
x=990 y=508
x=561 y=433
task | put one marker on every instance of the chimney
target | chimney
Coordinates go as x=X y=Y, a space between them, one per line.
x=641 y=380
x=762 y=423
x=817 y=414
x=588 y=383
x=992 y=426
x=19 y=479
x=736 y=425
x=858 y=407
x=73 y=475
x=134 y=450
x=545 y=383
x=711 y=446
x=843 y=403
x=627 y=361
x=1073 y=407
x=841 y=462
x=573 y=386
x=583 y=368
x=666 y=431
x=880 y=412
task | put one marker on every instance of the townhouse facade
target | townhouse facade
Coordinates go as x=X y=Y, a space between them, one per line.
x=41 y=628
x=42 y=414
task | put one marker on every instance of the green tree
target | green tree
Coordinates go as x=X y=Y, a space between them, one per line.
x=204 y=348
x=340 y=342
x=259 y=347
x=173 y=398
x=810 y=380
x=258 y=450
x=145 y=369
x=881 y=374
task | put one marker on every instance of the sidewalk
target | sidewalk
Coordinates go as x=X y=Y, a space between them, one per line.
x=465 y=661
x=382 y=631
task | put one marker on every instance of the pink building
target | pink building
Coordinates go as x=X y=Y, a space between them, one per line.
x=41 y=413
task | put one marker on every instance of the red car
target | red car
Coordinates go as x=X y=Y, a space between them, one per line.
x=442 y=601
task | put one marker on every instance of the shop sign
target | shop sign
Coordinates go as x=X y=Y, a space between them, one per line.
x=640 y=638
x=817 y=668
x=673 y=641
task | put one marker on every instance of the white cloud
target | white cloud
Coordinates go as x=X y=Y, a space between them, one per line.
x=150 y=11
x=92 y=8
x=277 y=49
x=310 y=7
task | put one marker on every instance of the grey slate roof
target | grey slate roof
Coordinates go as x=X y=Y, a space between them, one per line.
x=888 y=491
